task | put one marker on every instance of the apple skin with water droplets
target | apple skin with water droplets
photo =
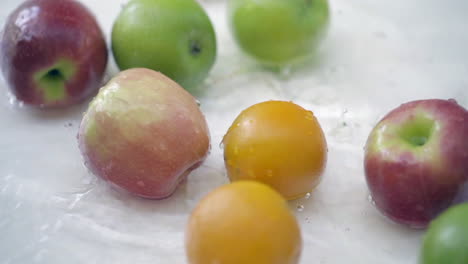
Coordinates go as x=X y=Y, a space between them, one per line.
x=143 y=133
x=416 y=160
x=53 y=53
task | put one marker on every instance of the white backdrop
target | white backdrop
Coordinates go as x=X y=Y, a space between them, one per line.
x=378 y=54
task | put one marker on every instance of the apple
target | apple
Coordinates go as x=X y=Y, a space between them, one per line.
x=416 y=160
x=278 y=32
x=143 y=133
x=53 y=53
x=446 y=240
x=175 y=37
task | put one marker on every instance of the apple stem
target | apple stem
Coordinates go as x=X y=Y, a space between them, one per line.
x=195 y=48
x=418 y=131
x=54 y=74
x=53 y=83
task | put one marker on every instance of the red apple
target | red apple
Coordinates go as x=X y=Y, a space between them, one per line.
x=416 y=160
x=53 y=52
x=144 y=133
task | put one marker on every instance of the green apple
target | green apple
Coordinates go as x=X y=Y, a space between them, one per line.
x=446 y=240
x=278 y=32
x=175 y=37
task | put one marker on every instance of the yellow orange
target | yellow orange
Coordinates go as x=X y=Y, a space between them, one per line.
x=245 y=222
x=278 y=143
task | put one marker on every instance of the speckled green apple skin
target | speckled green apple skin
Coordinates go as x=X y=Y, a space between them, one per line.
x=143 y=133
x=175 y=37
x=278 y=32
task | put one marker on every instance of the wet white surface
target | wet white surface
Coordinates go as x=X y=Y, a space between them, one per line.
x=378 y=54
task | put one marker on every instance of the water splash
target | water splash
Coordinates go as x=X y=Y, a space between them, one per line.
x=370 y=199
x=285 y=72
x=13 y=102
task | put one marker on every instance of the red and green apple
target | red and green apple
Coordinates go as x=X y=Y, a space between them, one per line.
x=143 y=133
x=53 y=53
x=416 y=160
x=174 y=37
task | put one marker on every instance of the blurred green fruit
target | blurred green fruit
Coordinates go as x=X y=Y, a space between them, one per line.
x=278 y=32
x=446 y=240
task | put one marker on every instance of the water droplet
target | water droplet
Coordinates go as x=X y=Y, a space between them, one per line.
x=140 y=183
x=162 y=146
x=236 y=150
x=300 y=208
x=221 y=145
x=453 y=101
x=12 y=100
x=269 y=173
x=285 y=72
x=370 y=199
x=307 y=219
x=237 y=124
x=309 y=115
x=198 y=102
x=251 y=149
x=307 y=196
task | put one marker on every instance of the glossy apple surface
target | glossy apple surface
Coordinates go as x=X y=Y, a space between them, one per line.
x=53 y=52
x=416 y=160
x=175 y=37
x=143 y=133
x=278 y=32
